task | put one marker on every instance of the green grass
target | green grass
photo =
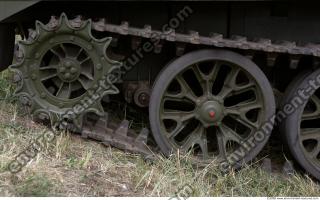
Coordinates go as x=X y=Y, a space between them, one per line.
x=72 y=166
x=34 y=186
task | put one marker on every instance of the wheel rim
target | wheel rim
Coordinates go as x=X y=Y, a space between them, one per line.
x=210 y=115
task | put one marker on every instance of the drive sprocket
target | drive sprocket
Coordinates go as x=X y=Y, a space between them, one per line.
x=62 y=72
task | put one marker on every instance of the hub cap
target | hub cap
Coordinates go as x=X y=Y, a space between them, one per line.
x=210 y=113
x=69 y=69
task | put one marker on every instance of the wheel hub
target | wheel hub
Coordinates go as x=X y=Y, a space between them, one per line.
x=69 y=70
x=210 y=113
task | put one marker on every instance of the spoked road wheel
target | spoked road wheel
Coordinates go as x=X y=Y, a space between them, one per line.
x=210 y=102
x=301 y=128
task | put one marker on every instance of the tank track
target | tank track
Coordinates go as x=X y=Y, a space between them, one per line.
x=215 y=39
x=271 y=48
x=120 y=135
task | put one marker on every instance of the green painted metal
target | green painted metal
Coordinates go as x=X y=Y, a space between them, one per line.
x=64 y=72
x=9 y=8
x=309 y=136
x=210 y=113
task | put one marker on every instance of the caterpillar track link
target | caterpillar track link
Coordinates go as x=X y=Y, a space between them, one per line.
x=119 y=136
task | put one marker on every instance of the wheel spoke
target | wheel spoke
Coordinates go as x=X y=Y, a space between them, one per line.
x=56 y=53
x=310 y=116
x=315 y=152
x=176 y=97
x=178 y=116
x=49 y=67
x=201 y=78
x=47 y=74
x=64 y=49
x=186 y=90
x=225 y=91
x=203 y=143
x=85 y=83
x=191 y=140
x=180 y=126
x=86 y=72
x=230 y=134
x=75 y=85
x=244 y=88
x=229 y=83
x=222 y=142
x=79 y=52
x=316 y=113
x=85 y=60
x=242 y=119
x=310 y=133
x=243 y=107
x=238 y=112
x=211 y=77
x=64 y=91
x=214 y=72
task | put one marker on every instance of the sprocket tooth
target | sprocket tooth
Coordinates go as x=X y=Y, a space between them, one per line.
x=143 y=136
x=102 y=44
x=100 y=109
x=111 y=90
x=113 y=76
x=24 y=98
x=40 y=25
x=25 y=44
x=15 y=67
x=123 y=128
x=64 y=25
x=96 y=108
x=17 y=77
x=41 y=114
x=19 y=85
x=84 y=30
x=41 y=30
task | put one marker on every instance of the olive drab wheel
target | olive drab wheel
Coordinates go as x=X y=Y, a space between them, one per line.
x=61 y=69
x=301 y=128
x=209 y=102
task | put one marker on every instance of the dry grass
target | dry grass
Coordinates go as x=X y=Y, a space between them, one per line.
x=71 y=166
